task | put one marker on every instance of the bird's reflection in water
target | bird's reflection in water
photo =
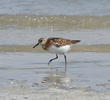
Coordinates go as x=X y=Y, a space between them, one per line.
x=57 y=78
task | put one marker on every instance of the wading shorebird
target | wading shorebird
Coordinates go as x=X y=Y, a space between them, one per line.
x=57 y=46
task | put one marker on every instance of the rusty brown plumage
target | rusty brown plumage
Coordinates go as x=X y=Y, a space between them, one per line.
x=59 y=42
x=47 y=44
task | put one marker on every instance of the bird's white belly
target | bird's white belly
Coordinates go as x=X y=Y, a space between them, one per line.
x=59 y=50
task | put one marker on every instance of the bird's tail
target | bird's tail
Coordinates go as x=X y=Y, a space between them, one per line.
x=75 y=41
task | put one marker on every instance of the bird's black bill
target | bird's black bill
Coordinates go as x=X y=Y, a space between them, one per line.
x=35 y=45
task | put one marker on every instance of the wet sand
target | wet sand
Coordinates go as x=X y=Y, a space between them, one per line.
x=29 y=48
x=62 y=22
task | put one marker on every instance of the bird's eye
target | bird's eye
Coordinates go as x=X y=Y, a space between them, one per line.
x=40 y=40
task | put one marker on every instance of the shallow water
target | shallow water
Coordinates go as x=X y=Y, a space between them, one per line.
x=87 y=73
x=56 y=7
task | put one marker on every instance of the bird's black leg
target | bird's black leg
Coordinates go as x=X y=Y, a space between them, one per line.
x=65 y=62
x=53 y=59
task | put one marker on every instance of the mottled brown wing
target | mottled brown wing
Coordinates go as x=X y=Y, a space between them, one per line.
x=60 y=41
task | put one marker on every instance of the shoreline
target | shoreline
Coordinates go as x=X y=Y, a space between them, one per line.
x=79 y=48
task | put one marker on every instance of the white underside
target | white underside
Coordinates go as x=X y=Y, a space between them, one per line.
x=59 y=50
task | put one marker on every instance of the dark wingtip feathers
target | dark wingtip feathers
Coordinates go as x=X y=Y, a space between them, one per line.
x=75 y=41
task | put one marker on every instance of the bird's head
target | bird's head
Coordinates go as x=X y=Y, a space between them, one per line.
x=41 y=41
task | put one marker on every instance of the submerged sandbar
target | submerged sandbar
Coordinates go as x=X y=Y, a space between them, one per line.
x=79 y=48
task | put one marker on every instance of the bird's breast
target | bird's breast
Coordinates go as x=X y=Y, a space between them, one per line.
x=59 y=50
